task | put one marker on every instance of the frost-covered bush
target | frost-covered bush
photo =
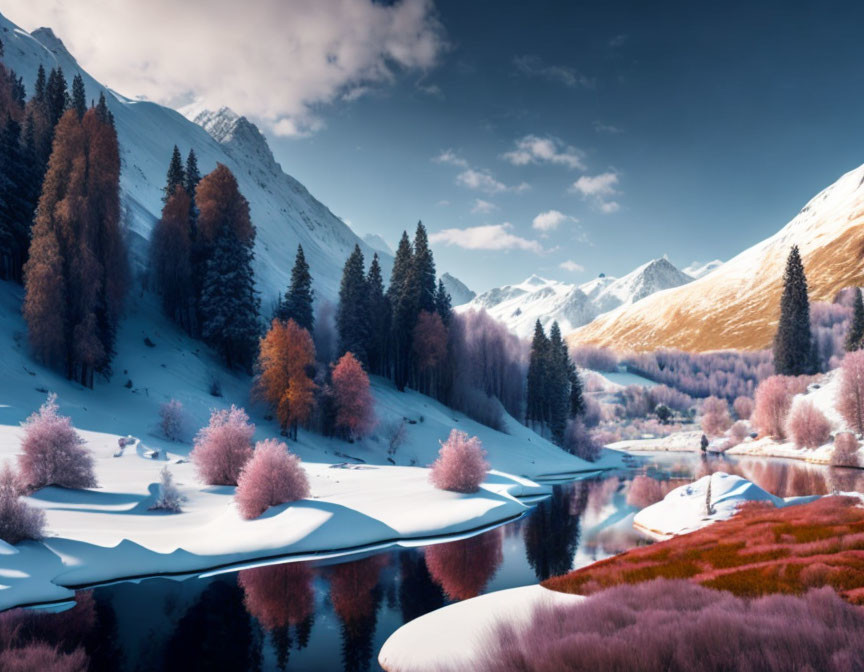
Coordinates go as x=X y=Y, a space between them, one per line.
x=53 y=452
x=169 y=498
x=743 y=407
x=845 y=453
x=644 y=491
x=772 y=403
x=273 y=476
x=670 y=397
x=636 y=401
x=715 y=416
x=18 y=520
x=807 y=426
x=593 y=413
x=829 y=323
x=850 y=398
x=223 y=447
x=677 y=626
x=737 y=433
x=172 y=420
x=394 y=434
x=578 y=441
x=594 y=358
x=461 y=464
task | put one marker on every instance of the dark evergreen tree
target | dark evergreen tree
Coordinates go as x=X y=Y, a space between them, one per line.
x=443 y=305
x=425 y=270
x=855 y=337
x=538 y=367
x=379 y=320
x=404 y=306
x=193 y=175
x=79 y=96
x=229 y=303
x=352 y=314
x=558 y=384
x=577 y=398
x=39 y=86
x=793 y=343
x=16 y=208
x=102 y=110
x=56 y=96
x=176 y=175
x=297 y=302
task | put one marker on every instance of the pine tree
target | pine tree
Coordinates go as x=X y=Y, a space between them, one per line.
x=855 y=337
x=558 y=384
x=443 y=305
x=577 y=398
x=352 y=315
x=425 y=270
x=79 y=96
x=39 y=86
x=379 y=320
x=793 y=344
x=193 y=176
x=535 y=411
x=404 y=308
x=297 y=303
x=171 y=262
x=176 y=175
x=56 y=96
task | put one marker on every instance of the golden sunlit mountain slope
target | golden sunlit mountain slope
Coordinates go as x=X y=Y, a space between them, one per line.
x=737 y=305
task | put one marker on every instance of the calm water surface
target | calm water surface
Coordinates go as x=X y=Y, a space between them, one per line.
x=336 y=615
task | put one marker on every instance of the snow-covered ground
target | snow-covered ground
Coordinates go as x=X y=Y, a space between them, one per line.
x=685 y=508
x=451 y=637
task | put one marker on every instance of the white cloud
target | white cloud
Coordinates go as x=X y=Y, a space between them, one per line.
x=550 y=220
x=596 y=185
x=534 y=66
x=535 y=149
x=482 y=207
x=273 y=60
x=609 y=207
x=480 y=180
x=450 y=157
x=611 y=129
x=489 y=237
x=571 y=266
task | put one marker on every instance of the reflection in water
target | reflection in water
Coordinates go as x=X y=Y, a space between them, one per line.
x=552 y=531
x=279 y=618
x=463 y=568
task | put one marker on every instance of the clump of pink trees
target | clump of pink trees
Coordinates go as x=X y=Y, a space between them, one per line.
x=743 y=407
x=223 y=447
x=172 y=420
x=850 y=400
x=845 y=453
x=580 y=442
x=807 y=426
x=772 y=403
x=18 y=520
x=273 y=476
x=355 y=407
x=461 y=464
x=53 y=453
x=715 y=416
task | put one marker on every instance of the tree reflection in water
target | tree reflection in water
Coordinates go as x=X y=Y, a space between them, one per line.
x=418 y=593
x=552 y=531
x=463 y=568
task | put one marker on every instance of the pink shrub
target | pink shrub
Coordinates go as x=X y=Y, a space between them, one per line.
x=771 y=407
x=43 y=657
x=460 y=466
x=737 y=433
x=578 y=441
x=172 y=420
x=273 y=476
x=53 y=452
x=667 y=396
x=715 y=416
x=677 y=626
x=644 y=491
x=18 y=520
x=743 y=407
x=850 y=399
x=845 y=453
x=223 y=447
x=355 y=407
x=807 y=426
x=592 y=357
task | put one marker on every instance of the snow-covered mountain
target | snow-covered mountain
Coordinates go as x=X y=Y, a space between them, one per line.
x=377 y=243
x=458 y=290
x=737 y=304
x=284 y=212
x=520 y=306
x=697 y=269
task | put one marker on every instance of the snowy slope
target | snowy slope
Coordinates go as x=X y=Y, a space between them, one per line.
x=284 y=212
x=458 y=291
x=697 y=269
x=740 y=299
x=520 y=306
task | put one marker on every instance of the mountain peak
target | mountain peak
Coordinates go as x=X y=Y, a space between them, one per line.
x=49 y=40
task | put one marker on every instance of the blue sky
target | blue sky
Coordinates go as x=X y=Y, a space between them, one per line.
x=559 y=138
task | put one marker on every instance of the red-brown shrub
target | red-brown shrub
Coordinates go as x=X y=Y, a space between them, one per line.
x=807 y=426
x=773 y=399
x=460 y=465
x=278 y=595
x=53 y=452
x=715 y=416
x=845 y=453
x=743 y=407
x=223 y=447
x=18 y=520
x=355 y=407
x=44 y=658
x=676 y=626
x=850 y=399
x=273 y=476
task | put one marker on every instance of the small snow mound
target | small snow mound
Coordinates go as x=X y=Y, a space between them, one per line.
x=7 y=549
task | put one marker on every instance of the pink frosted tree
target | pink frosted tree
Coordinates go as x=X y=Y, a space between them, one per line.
x=355 y=407
x=18 y=520
x=53 y=452
x=845 y=453
x=223 y=447
x=737 y=433
x=743 y=407
x=273 y=476
x=715 y=416
x=172 y=420
x=807 y=426
x=460 y=466
x=773 y=399
x=850 y=399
